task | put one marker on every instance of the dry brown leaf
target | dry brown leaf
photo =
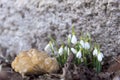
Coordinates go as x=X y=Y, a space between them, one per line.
x=115 y=66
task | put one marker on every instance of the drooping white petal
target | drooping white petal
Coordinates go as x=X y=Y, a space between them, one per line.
x=65 y=48
x=74 y=39
x=95 y=52
x=69 y=36
x=102 y=54
x=51 y=45
x=79 y=54
x=99 y=57
x=60 y=51
x=73 y=50
x=82 y=43
x=47 y=48
x=87 y=45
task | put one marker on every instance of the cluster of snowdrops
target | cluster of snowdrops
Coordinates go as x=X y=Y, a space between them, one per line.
x=82 y=49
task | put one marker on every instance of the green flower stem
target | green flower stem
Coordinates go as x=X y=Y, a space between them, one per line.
x=62 y=58
x=59 y=61
x=98 y=67
x=69 y=42
x=55 y=44
x=79 y=61
x=85 y=61
x=75 y=61
x=94 y=61
x=73 y=30
x=84 y=56
x=52 y=51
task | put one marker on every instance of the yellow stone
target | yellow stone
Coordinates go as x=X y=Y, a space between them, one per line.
x=34 y=62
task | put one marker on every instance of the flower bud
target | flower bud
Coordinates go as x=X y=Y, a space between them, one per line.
x=73 y=50
x=79 y=54
x=74 y=40
x=69 y=36
x=60 y=51
x=87 y=45
x=95 y=52
x=82 y=43
x=47 y=47
x=100 y=56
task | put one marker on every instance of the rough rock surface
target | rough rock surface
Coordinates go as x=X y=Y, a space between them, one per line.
x=34 y=62
x=26 y=24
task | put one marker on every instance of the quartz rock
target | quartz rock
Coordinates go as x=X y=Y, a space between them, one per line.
x=34 y=62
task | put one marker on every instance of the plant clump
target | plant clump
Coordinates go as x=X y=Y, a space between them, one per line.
x=84 y=50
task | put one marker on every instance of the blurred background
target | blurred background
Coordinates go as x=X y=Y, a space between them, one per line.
x=26 y=24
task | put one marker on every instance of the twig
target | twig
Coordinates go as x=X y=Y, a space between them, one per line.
x=67 y=66
x=116 y=60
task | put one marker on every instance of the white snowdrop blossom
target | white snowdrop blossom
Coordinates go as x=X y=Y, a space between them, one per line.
x=74 y=40
x=60 y=51
x=100 y=56
x=69 y=36
x=67 y=49
x=95 y=52
x=47 y=47
x=51 y=45
x=82 y=43
x=73 y=50
x=87 y=45
x=79 y=54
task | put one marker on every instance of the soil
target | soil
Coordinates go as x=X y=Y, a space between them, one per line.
x=79 y=72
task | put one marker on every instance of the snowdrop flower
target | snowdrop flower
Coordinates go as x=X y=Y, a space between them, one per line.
x=47 y=47
x=73 y=39
x=67 y=49
x=82 y=43
x=100 y=56
x=60 y=51
x=73 y=50
x=87 y=45
x=95 y=52
x=79 y=54
x=69 y=36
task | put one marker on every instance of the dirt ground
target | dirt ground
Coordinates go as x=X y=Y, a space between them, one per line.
x=110 y=71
